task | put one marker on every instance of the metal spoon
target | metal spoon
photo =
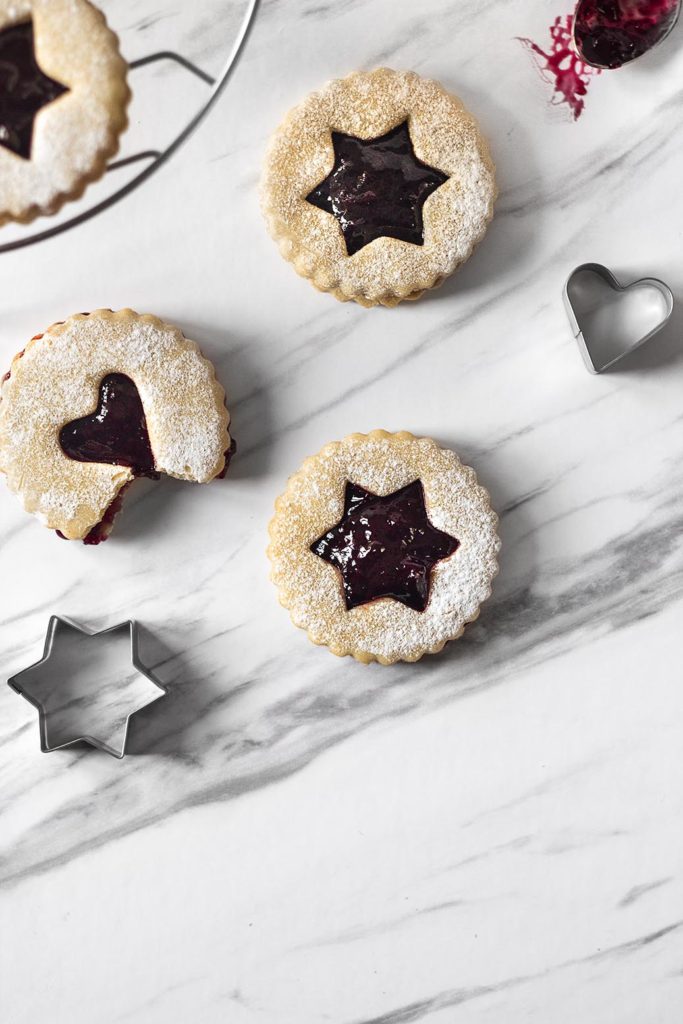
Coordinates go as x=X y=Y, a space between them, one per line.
x=611 y=33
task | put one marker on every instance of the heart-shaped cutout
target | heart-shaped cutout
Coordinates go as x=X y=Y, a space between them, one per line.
x=611 y=320
x=116 y=433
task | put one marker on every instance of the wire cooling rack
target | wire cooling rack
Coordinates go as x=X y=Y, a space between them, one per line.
x=180 y=57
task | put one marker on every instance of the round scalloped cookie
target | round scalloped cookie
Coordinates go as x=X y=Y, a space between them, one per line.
x=383 y=630
x=57 y=379
x=75 y=134
x=366 y=106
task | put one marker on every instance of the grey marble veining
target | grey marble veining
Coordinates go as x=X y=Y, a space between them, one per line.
x=492 y=834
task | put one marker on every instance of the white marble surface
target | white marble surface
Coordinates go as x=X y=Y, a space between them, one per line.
x=493 y=835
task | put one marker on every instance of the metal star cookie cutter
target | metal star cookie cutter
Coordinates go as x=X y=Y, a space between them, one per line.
x=611 y=320
x=84 y=690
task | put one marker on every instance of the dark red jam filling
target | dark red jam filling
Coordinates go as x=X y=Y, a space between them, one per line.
x=24 y=88
x=228 y=459
x=385 y=546
x=610 y=33
x=377 y=188
x=115 y=433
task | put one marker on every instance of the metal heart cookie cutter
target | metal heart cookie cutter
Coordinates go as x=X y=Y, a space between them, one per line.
x=611 y=320
x=87 y=686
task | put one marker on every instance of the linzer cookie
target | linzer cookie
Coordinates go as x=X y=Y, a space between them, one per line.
x=99 y=400
x=378 y=187
x=63 y=99
x=383 y=546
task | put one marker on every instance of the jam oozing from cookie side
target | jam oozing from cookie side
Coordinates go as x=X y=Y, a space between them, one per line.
x=385 y=546
x=100 y=531
x=115 y=433
x=377 y=188
x=24 y=88
x=610 y=33
x=229 y=455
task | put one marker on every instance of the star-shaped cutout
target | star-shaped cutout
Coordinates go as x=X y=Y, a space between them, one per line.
x=87 y=686
x=377 y=188
x=385 y=546
x=24 y=88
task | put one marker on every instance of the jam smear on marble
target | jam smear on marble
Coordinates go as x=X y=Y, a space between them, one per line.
x=377 y=188
x=610 y=33
x=385 y=546
x=115 y=433
x=24 y=88
x=562 y=67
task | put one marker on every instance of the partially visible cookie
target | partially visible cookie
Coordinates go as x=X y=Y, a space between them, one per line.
x=378 y=187
x=383 y=546
x=99 y=400
x=63 y=99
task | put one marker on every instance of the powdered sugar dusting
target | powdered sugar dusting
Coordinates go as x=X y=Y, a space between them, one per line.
x=57 y=380
x=74 y=136
x=384 y=630
x=369 y=104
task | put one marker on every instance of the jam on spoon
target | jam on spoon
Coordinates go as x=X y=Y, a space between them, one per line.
x=611 y=33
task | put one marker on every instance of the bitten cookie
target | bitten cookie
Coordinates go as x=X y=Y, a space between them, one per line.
x=99 y=400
